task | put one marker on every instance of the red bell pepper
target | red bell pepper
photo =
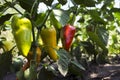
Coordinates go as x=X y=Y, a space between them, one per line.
x=67 y=34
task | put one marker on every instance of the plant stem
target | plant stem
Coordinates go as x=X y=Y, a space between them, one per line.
x=46 y=17
x=43 y=23
x=32 y=15
x=34 y=8
x=74 y=15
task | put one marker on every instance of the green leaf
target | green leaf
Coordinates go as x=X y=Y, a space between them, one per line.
x=77 y=65
x=54 y=21
x=89 y=47
x=3 y=7
x=63 y=2
x=117 y=15
x=47 y=2
x=87 y=3
x=96 y=16
x=9 y=10
x=76 y=68
x=77 y=53
x=4 y=18
x=103 y=35
x=63 y=61
x=26 y=4
x=45 y=74
x=81 y=20
x=115 y=10
x=102 y=58
x=40 y=18
x=59 y=18
x=109 y=16
x=8 y=45
x=72 y=19
x=114 y=38
x=106 y=4
x=61 y=15
x=96 y=38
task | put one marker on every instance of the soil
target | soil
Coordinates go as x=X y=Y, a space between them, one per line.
x=107 y=71
x=104 y=72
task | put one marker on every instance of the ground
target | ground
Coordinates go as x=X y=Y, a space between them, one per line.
x=107 y=71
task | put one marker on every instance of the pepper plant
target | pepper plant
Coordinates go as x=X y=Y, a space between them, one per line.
x=60 y=40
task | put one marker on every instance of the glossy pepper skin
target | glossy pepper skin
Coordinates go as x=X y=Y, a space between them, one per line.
x=21 y=29
x=48 y=36
x=67 y=34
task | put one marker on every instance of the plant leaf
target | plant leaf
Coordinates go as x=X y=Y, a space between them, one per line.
x=103 y=35
x=45 y=74
x=4 y=18
x=63 y=2
x=40 y=18
x=61 y=16
x=63 y=61
x=47 y=2
x=95 y=38
x=77 y=65
x=26 y=4
x=54 y=21
x=96 y=16
x=89 y=47
x=87 y=3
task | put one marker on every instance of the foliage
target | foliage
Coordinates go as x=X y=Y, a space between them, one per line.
x=97 y=36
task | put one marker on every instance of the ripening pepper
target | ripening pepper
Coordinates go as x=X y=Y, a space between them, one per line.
x=38 y=54
x=67 y=34
x=21 y=29
x=30 y=57
x=48 y=36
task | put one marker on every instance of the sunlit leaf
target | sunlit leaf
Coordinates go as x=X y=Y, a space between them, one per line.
x=63 y=62
x=54 y=21
x=40 y=18
x=117 y=15
x=61 y=16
